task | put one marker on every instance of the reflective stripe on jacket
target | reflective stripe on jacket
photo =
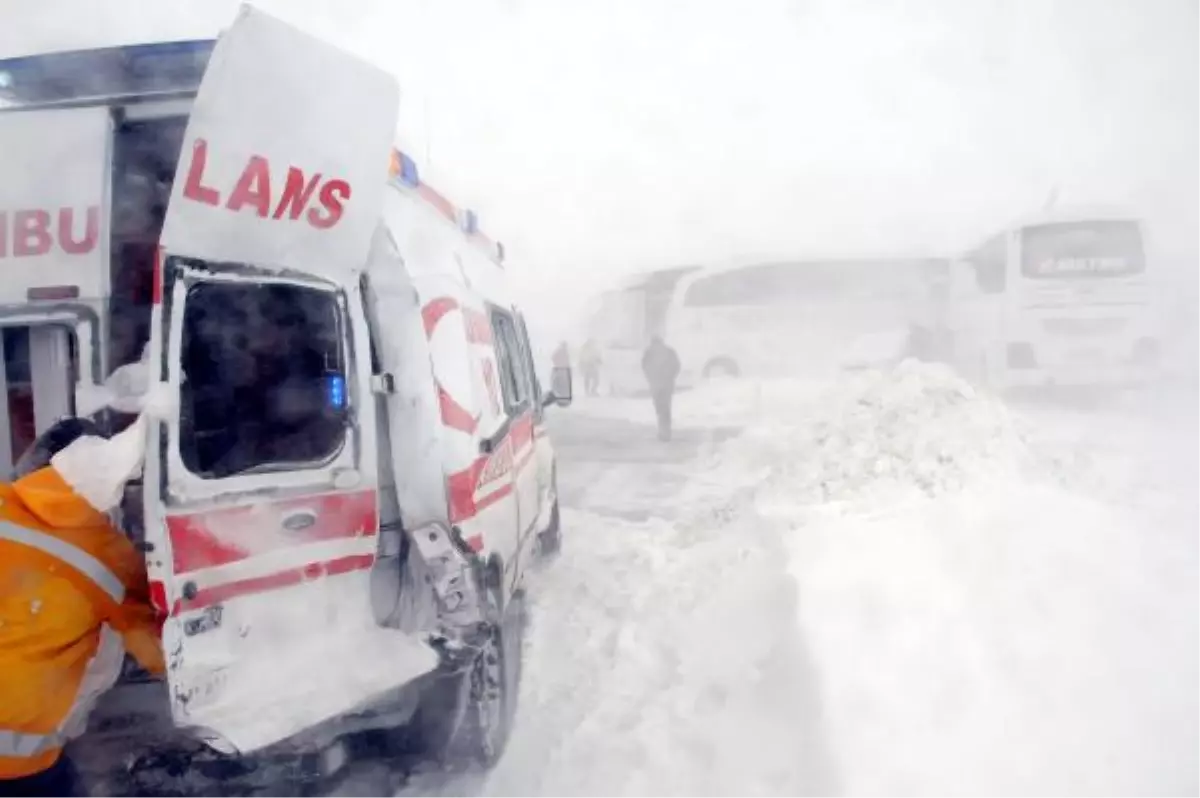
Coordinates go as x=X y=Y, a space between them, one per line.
x=73 y=599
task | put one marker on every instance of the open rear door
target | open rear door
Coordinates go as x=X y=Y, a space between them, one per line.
x=261 y=504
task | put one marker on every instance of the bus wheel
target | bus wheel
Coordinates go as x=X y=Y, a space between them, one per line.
x=721 y=367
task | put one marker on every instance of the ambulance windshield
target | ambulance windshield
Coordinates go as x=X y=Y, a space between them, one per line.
x=263 y=378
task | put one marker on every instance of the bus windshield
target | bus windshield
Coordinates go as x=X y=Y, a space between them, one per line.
x=1082 y=250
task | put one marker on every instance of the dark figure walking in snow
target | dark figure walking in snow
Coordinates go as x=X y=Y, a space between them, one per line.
x=660 y=364
x=590 y=362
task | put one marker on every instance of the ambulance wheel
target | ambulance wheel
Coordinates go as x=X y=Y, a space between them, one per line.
x=465 y=720
x=550 y=540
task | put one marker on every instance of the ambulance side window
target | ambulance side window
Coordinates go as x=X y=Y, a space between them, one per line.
x=527 y=358
x=264 y=378
x=514 y=382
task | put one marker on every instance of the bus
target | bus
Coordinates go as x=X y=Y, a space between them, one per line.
x=796 y=317
x=1062 y=297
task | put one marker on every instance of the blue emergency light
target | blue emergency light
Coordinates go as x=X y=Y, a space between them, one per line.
x=335 y=391
x=469 y=222
x=133 y=70
x=408 y=174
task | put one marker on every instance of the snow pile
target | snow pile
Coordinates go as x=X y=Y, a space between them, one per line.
x=918 y=426
x=1011 y=639
x=980 y=617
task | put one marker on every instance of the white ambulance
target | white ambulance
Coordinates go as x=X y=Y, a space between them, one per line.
x=348 y=473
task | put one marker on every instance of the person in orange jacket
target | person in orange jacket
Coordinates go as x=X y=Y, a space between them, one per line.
x=74 y=598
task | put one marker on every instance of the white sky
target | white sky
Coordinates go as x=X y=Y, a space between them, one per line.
x=600 y=136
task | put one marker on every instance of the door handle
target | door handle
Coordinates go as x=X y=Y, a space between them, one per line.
x=299 y=520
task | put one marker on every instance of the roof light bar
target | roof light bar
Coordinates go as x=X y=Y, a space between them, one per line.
x=403 y=170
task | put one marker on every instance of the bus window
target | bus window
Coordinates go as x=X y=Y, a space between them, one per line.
x=1082 y=249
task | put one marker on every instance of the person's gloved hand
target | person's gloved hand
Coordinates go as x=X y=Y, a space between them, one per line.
x=98 y=468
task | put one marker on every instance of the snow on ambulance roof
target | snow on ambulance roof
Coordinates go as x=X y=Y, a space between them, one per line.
x=78 y=75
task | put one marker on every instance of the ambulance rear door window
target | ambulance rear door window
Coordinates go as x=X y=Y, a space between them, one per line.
x=264 y=378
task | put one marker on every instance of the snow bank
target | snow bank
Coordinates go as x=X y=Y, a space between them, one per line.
x=662 y=659
x=916 y=427
x=1012 y=639
x=988 y=610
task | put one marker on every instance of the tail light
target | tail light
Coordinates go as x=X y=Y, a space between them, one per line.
x=1020 y=356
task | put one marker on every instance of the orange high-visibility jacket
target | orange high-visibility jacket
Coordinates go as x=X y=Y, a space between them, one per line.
x=73 y=600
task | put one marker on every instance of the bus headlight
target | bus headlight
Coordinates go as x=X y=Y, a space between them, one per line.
x=1020 y=356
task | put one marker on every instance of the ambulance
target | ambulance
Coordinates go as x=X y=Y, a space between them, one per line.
x=348 y=475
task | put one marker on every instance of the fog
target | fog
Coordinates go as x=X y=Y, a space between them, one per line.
x=857 y=568
x=599 y=138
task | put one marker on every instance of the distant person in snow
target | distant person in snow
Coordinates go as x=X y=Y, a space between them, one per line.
x=589 y=363
x=660 y=364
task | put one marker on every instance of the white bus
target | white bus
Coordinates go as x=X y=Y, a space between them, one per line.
x=1060 y=298
x=794 y=317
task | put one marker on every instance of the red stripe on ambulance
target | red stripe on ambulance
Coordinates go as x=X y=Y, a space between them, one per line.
x=454 y=415
x=479 y=328
x=216 y=594
x=462 y=486
x=219 y=537
x=442 y=205
x=434 y=310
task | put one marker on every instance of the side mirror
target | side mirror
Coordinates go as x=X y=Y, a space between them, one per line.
x=560 y=387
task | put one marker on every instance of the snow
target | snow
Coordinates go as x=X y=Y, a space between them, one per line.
x=893 y=583
x=277 y=666
x=659 y=682
x=98 y=468
x=1011 y=639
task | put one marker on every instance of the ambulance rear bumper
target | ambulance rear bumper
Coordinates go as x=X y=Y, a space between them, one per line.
x=132 y=747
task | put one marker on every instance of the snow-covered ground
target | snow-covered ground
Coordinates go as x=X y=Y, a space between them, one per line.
x=894 y=584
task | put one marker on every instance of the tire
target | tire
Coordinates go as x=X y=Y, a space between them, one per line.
x=550 y=540
x=465 y=719
x=721 y=367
